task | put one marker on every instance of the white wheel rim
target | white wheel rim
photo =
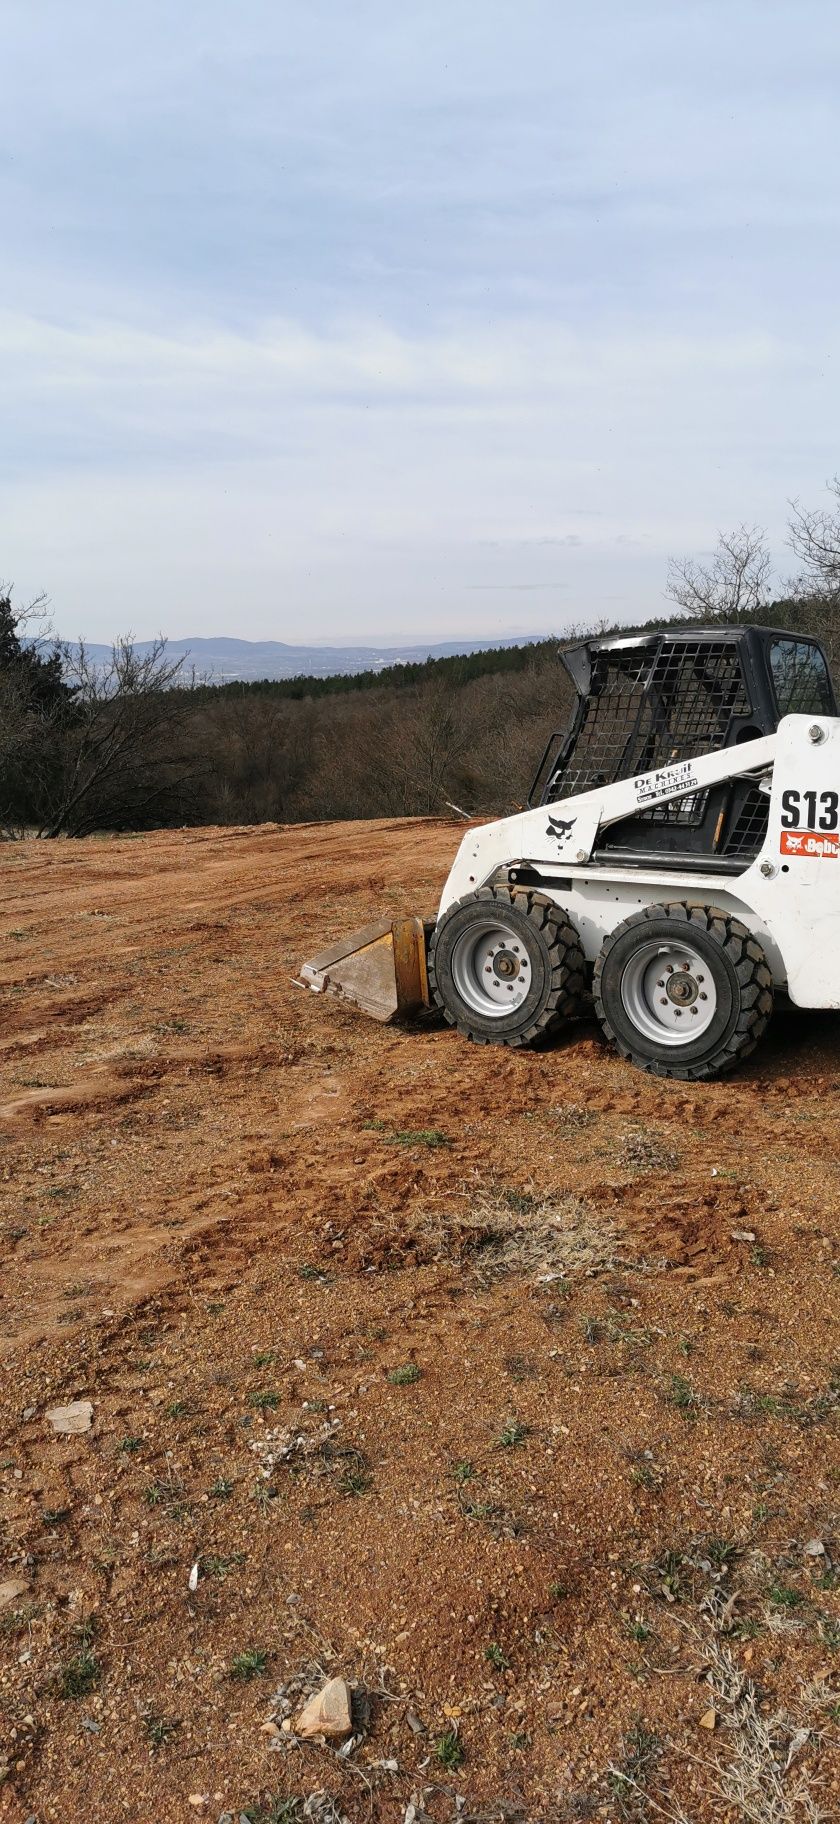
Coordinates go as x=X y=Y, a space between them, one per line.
x=491 y=969
x=668 y=993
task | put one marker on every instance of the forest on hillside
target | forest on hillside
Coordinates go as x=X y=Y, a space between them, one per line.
x=136 y=744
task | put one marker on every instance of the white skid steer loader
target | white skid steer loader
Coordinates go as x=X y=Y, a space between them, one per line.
x=680 y=861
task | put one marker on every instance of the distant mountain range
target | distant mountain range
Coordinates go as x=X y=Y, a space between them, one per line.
x=225 y=660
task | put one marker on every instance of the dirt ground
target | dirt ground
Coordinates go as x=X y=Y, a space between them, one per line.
x=504 y=1384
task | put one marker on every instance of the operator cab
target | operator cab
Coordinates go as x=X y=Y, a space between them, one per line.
x=652 y=700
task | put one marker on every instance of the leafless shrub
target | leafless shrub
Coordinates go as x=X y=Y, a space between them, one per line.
x=734 y=584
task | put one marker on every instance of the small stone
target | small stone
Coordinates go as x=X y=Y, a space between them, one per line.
x=815 y=1549
x=327 y=1713
x=11 y=1590
x=192 y=1580
x=68 y=1420
x=270 y=1729
x=198 y=1799
x=742 y=1234
x=709 y=1719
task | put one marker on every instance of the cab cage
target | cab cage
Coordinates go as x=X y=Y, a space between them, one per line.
x=650 y=700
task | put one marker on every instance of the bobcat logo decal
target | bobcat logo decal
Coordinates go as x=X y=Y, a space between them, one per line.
x=560 y=829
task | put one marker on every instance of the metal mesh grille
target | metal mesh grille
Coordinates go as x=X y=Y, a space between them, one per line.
x=686 y=812
x=647 y=710
x=746 y=837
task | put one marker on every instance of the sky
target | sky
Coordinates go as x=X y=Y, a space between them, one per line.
x=346 y=321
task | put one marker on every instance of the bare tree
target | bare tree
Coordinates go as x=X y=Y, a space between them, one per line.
x=814 y=538
x=108 y=759
x=734 y=584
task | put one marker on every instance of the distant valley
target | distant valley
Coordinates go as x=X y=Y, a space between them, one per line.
x=225 y=660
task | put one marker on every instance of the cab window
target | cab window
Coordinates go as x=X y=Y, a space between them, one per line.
x=800 y=679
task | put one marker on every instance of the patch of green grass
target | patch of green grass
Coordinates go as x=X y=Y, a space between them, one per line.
x=249 y=1664
x=159 y=1728
x=176 y=1409
x=463 y=1471
x=220 y=1568
x=418 y=1136
x=448 y=1750
x=683 y=1395
x=80 y=1674
x=830 y=1634
x=307 y=1271
x=405 y=1376
x=640 y=1752
x=667 y=1577
x=264 y=1399
x=558 y=1591
x=264 y=1358
x=129 y=1445
x=496 y=1658
x=53 y=1516
x=222 y=1488
x=645 y=1474
x=783 y=1596
x=276 y=1810
x=638 y=1631
x=513 y=1434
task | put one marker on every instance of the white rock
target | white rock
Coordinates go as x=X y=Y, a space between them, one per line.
x=328 y=1712
x=814 y=1548
x=11 y=1590
x=78 y=1416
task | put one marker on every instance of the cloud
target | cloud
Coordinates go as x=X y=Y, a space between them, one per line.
x=352 y=318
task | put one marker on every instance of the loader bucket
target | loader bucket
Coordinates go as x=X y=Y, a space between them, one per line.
x=381 y=969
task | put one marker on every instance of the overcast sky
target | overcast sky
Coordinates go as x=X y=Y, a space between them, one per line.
x=341 y=319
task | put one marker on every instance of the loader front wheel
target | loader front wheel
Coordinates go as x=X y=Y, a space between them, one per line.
x=506 y=967
x=683 y=991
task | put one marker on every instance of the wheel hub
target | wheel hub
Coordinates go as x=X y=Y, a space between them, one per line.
x=491 y=968
x=668 y=993
x=682 y=989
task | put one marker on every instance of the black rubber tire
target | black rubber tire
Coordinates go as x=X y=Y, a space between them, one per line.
x=558 y=966
x=742 y=979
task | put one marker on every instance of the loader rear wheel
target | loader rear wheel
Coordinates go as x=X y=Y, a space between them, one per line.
x=506 y=967
x=683 y=990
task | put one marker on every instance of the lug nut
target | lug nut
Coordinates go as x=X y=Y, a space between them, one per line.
x=704 y=997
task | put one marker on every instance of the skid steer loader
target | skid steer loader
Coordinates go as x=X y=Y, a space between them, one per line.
x=679 y=860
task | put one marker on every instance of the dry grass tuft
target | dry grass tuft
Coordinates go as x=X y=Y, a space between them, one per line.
x=507 y=1232
x=759 y=1777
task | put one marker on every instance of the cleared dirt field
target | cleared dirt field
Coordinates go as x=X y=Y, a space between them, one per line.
x=506 y=1384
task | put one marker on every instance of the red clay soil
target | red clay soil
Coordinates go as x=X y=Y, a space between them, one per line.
x=599 y=1503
